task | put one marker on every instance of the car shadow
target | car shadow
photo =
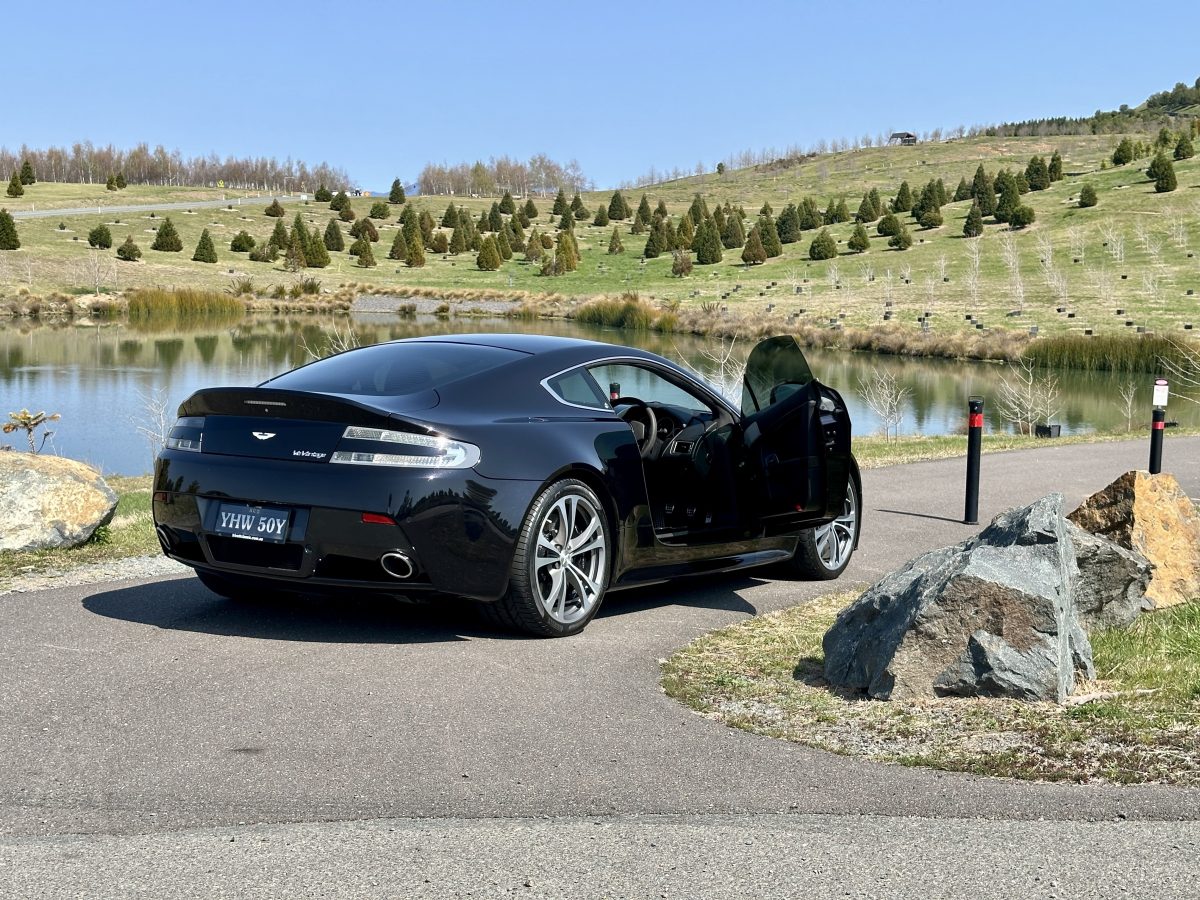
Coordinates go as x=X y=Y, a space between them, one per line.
x=719 y=592
x=186 y=605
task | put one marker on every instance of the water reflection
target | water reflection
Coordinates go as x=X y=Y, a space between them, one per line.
x=97 y=376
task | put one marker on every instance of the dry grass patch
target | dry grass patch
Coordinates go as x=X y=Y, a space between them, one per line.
x=765 y=676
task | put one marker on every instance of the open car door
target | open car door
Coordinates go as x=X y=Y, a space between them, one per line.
x=797 y=438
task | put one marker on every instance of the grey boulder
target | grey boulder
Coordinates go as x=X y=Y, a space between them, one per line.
x=48 y=502
x=1110 y=589
x=992 y=616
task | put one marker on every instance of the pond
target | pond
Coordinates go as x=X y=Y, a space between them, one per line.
x=104 y=380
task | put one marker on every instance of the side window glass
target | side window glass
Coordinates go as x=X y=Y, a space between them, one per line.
x=646 y=385
x=577 y=388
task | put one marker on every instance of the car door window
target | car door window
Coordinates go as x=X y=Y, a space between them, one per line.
x=647 y=386
x=775 y=371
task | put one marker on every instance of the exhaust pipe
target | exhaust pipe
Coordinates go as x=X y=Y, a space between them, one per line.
x=397 y=564
x=164 y=538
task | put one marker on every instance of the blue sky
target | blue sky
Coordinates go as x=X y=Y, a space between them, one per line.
x=382 y=88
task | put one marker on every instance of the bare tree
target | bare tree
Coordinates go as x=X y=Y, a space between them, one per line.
x=867 y=272
x=1114 y=238
x=886 y=399
x=1128 y=394
x=97 y=268
x=155 y=419
x=941 y=265
x=974 y=256
x=835 y=274
x=1177 y=226
x=1184 y=370
x=338 y=341
x=1077 y=238
x=1024 y=397
x=721 y=367
x=906 y=273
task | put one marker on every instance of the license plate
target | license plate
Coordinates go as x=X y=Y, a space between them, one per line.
x=253 y=523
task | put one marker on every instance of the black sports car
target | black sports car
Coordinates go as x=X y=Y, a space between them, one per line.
x=533 y=474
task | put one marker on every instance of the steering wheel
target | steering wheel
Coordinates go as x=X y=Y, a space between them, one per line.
x=639 y=414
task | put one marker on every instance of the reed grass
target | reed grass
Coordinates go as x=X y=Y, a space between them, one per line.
x=1107 y=352
x=156 y=303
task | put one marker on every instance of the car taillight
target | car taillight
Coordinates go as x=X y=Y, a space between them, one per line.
x=187 y=434
x=437 y=452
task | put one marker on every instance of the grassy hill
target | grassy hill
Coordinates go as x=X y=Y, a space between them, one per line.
x=1062 y=259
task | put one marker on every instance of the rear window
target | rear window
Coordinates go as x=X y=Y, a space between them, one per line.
x=390 y=370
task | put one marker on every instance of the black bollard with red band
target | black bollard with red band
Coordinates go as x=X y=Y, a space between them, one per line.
x=1157 y=424
x=974 y=443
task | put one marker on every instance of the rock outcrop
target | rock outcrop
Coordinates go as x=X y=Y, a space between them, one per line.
x=1110 y=589
x=992 y=616
x=1153 y=517
x=48 y=502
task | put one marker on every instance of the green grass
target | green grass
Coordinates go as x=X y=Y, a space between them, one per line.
x=1093 y=289
x=764 y=675
x=130 y=533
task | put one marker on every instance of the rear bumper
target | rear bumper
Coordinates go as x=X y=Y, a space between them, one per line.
x=458 y=528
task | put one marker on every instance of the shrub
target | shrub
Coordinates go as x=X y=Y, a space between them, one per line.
x=275 y=210
x=888 y=226
x=340 y=201
x=488 y=259
x=614 y=243
x=1087 y=196
x=100 y=237
x=931 y=218
x=380 y=210
x=1124 y=153
x=859 y=241
x=439 y=244
x=347 y=213
x=566 y=253
x=506 y=204
x=266 y=253
x=120 y=181
x=242 y=242
x=1184 y=149
x=323 y=194
x=681 y=263
x=366 y=258
x=823 y=246
x=1021 y=216
x=167 y=239
x=601 y=219
x=129 y=251
x=901 y=240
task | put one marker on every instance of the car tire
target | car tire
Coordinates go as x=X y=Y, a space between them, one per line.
x=555 y=590
x=822 y=553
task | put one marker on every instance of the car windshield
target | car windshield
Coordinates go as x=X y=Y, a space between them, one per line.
x=389 y=370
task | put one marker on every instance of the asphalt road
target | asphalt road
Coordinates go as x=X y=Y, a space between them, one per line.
x=155 y=739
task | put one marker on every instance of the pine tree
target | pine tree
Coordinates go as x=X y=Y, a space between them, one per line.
x=643 y=211
x=506 y=204
x=121 y=185
x=495 y=219
x=617 y=207
x=334 y=242
x=656 y=243
x=1184 y=148
x=205 y=251
x=983 y=191
x=340 y=201
x=1087 y=196
x=698 y=210
x=323 y=194
x=1165 y=181
x=788 y=226
x=1022 y=183
x=766 y=209
x=128 y=251
x=638 y=227
x=483 y=224
x=707 y=243
x=293 y=258
x=264 y=253
x=823 y=246
x=347 y=213
x=810 y=216
x=110 y=184
x=901 y=240
x=396 y=194
x=719 y=219
x=441 y=244
x=298 y=227
x=859 y=241
x=450 y=217
x=614 y=243
x=1055 y=168
x=566 y=253
x=167 y=238
x=27 y=177
x=904 y=201
x=531 y=210
x=686 y=232
x=1124 y=153
x=1010 y=198
x=14 y=186
x=601 y=219
x=100 y=237
x=8 y=232
x=670 y=236
x=866 y=211
x=888 y=225
x=769 y=235
x=963 y=191
x=242 y=242
x=369 y=231
x=661 y=210
x=415 y=257
x=278 y=238
x=458 y=240
x=425 y=225
x=876 y=202
x=842 y=213
x=503 y=245
x=380 y=211
x=942 y=197
x=533 y=247
x=577 y=206
x=830 y=215
x=931 y=218
x=521 y=218
x=489 y=255
x=315 y=252
x=973 y=227
x=366 y=257
x=275 y=210
x=753 y=253
x=733 y=236
x=399 y=248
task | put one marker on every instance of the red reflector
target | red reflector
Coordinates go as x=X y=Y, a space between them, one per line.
x=975 y=420
x=1159 y=426
x=161 y=496
x=377 y=519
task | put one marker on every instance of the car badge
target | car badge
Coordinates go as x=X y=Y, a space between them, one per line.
x=263 y=435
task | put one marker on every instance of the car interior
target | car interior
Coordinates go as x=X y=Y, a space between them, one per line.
x=689 y=451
